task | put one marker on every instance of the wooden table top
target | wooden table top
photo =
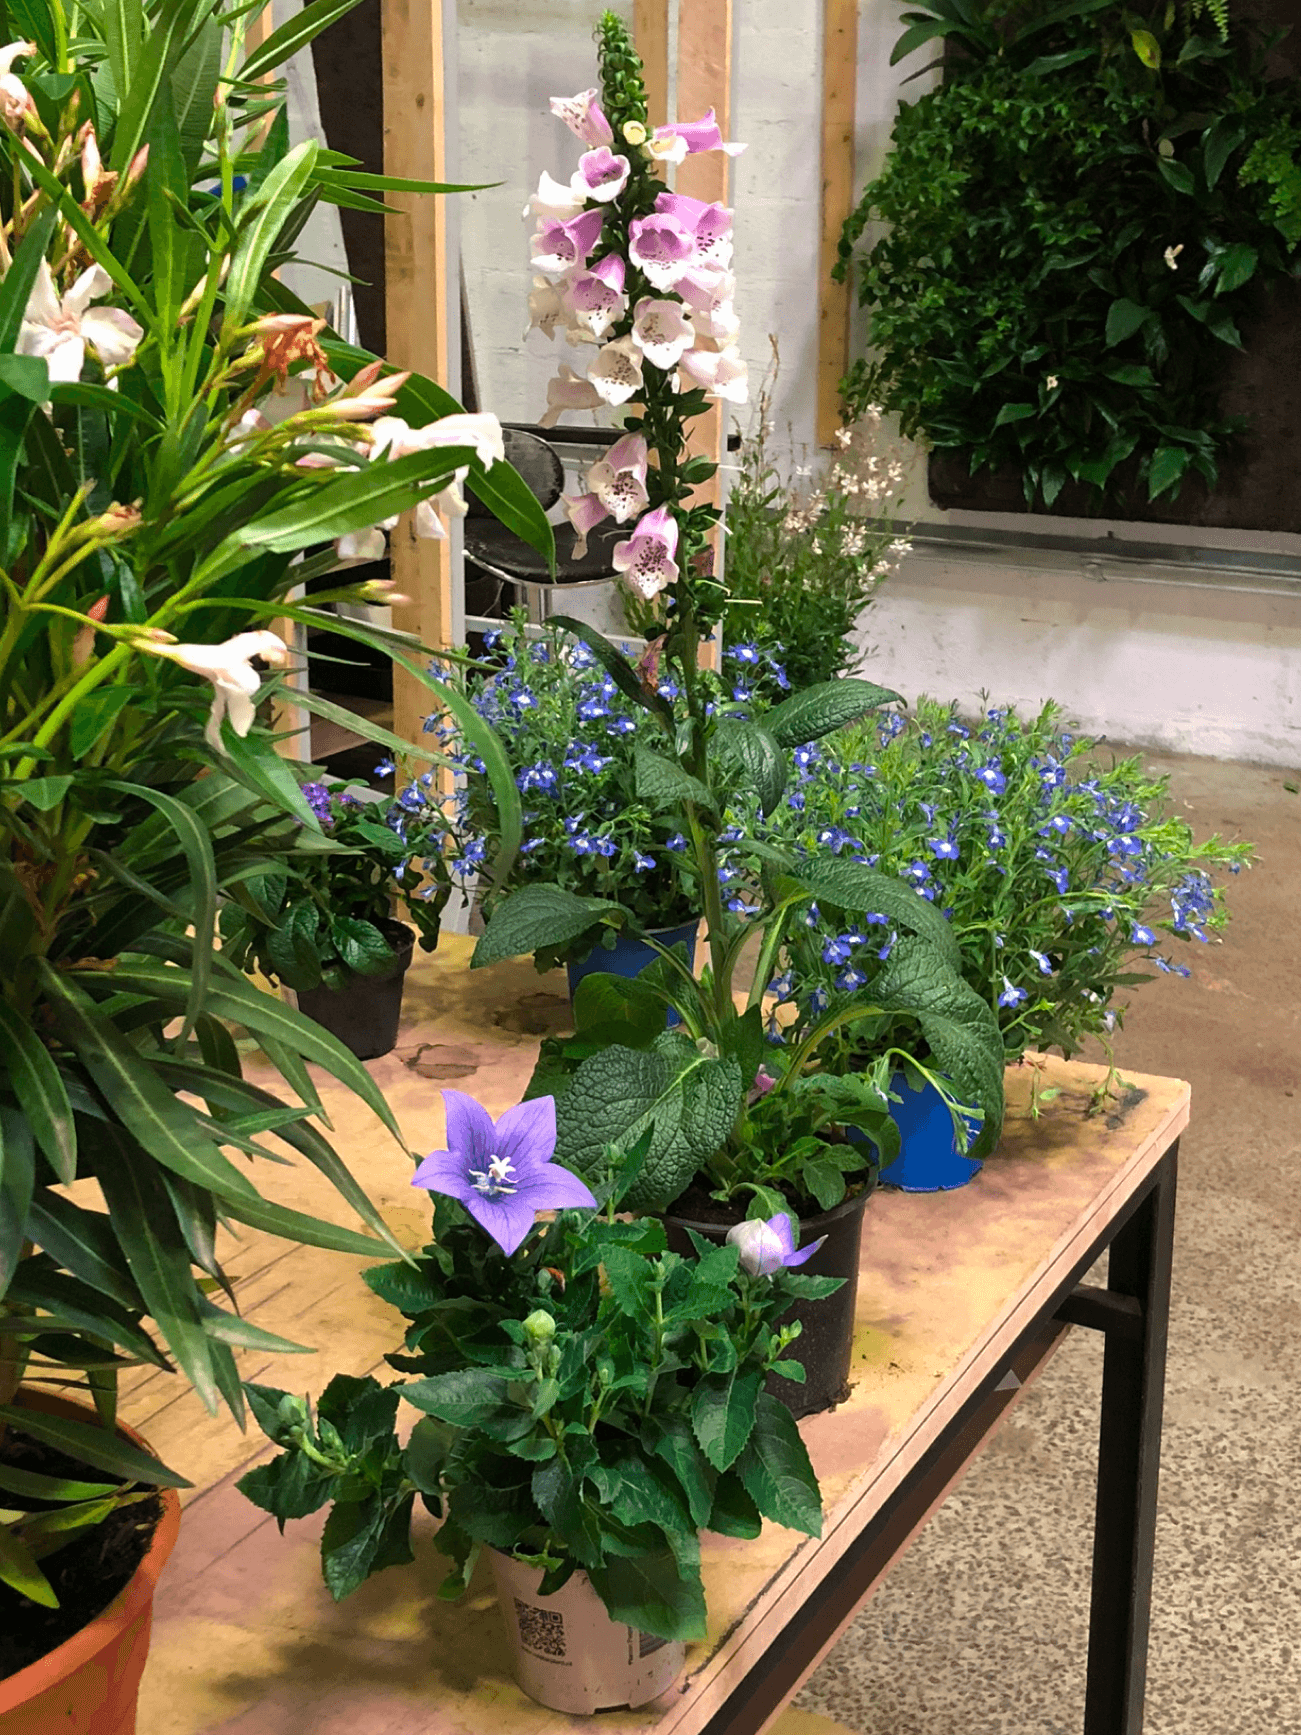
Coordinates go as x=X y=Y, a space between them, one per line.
x=246 y=1638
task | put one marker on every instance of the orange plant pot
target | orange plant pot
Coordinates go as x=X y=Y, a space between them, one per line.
x=90 y=1683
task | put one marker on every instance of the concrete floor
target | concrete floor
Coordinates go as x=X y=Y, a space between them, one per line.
x=982 y=1628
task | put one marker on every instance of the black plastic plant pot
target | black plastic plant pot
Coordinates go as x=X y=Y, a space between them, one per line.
x=364 y=1014
x=825 y=1346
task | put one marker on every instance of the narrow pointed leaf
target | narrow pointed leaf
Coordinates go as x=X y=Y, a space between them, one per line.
x=92 y=1446
x=35 y=1081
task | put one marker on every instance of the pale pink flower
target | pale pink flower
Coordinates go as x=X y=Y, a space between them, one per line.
x=662 y=331
x=662 y=247
x=229 y=667
x=393 y=437
x=568 y=391
x=618 y=481
x=584 y=117
x=710 y=227
x=362 y=544
x=559 y=246
x=584 y=512
x=698 y=135
x=15 y=98
x=646 y=558
x=546 y=308
x=366 y=395
x=59 y=331
x=600 y=175
x=721 y=372
x=706 y=287
x=596 y=297
x=616 y=373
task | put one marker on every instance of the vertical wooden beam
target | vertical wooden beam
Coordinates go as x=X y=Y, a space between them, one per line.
x=839 y=77
x=704 y=82
x=416 y=272
x=650 y=34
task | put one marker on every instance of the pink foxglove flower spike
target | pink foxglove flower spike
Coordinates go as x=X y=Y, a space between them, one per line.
x=646 y=559
x=662 y=247
x=554 y=199
x=710 y=227
x=568 y=391
x=560 y=246
x=696 y=135
x=596 y=297
x=584 y=512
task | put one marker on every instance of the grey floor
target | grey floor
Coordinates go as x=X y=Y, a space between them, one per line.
x=982 y=1628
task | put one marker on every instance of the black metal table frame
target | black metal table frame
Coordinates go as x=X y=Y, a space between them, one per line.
x=1133 y=1313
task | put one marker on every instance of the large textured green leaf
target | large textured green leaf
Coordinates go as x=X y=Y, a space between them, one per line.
x=722 y=1413
x=653 y=1593
x=35 y=1081
x=537 y=916
x=824 y=708
x=775 y=1469
x=688 y=1100
x=959 y=1025
x=866 y=891
x=757 y=761
x=663 y=785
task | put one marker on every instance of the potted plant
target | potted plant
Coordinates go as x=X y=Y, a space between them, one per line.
x=713 y=1121
x=1057 y=874
x=324 y=925
x=590 y=1402
x=153 y=522
x=570 y=734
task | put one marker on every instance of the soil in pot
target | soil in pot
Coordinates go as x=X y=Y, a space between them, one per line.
x=365 y=1014
x=825 y=1345
x=86 y=1574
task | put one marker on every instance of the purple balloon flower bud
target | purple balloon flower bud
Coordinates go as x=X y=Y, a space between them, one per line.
x=769 y=1247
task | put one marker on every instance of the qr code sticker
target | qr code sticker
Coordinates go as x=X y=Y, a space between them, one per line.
x=541 y=1629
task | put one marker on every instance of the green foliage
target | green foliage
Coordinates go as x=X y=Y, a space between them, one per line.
x=592 y=1402
x=321 y=916
x=1066 y=238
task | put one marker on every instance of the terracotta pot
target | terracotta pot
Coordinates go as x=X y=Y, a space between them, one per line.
x=89 y=1685
x=569 y=1654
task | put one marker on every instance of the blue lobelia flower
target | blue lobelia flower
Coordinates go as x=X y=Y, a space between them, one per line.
x=676 y=842
x=384 y=768
x=642 y=863
x=943 y=848
x=739 y=907
x=917 y=872
x=1060 y=878
x=1011 y=996
x=501 y=1171
x=778 y=674
x=837 y=949
x=1042 y=960
x=1170 y=968
x=1141 y=936
x=992 y=778
x=743 y=653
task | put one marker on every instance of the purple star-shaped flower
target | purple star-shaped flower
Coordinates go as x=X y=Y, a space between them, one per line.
x=502 y=1171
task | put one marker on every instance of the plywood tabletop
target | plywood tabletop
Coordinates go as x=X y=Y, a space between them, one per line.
x=247 y=1640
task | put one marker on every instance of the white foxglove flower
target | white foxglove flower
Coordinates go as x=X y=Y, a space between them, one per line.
x=229 y=667
x=554 y=199
x=59 y=331
x=546 y=308
x=616 y=373
x=618 y=481
x=600 y=175
x=662 y=331
x=706 y=287
x=719 y=324
x=568 y=391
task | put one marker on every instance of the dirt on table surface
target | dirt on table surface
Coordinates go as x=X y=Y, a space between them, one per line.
x=86 y=1574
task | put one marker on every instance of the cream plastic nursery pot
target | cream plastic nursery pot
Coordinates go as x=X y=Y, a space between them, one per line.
x=569 y=1654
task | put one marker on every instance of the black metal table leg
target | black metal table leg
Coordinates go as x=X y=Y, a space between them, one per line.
x=1129 y=1453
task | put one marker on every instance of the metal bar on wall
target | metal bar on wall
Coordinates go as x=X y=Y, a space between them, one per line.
x=839 y=79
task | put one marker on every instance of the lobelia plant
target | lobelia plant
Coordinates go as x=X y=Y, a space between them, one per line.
x=1056 y=874
x=588 y=1400
x=181 y=446
x=623 y=1074
x=322 y=916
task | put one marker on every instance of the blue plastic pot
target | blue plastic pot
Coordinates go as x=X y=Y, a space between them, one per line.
x=929 y=1160
x=630 y=957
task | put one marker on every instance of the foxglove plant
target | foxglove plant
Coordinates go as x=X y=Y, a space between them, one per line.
x=587 y=1399
x=693 y=759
